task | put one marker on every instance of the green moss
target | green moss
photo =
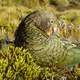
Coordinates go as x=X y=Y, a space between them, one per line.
x=16 y=64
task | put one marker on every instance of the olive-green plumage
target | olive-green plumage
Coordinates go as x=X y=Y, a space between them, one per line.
x=32 y=34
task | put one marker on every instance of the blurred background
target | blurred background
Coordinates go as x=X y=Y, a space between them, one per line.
x=67 y=12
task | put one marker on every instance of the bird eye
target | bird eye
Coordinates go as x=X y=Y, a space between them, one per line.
x=51 y=21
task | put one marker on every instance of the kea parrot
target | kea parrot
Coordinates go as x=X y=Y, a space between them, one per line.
x=37 y=33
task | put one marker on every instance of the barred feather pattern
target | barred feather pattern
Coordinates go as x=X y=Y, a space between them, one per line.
x=31 y=34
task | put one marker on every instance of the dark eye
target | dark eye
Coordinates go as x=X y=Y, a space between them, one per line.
x=51 y=21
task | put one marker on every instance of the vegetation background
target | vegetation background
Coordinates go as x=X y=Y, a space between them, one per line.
x=18 y=64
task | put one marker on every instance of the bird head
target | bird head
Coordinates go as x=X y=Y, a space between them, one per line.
x=44 y=21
